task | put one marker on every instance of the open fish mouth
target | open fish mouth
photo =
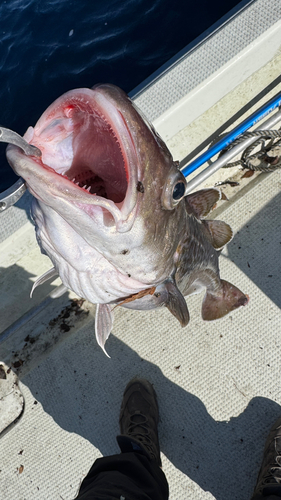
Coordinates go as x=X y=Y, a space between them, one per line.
x=98 y=163
x=88 y=152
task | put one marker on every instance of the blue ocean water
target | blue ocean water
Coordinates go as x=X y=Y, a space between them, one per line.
x=50 y=46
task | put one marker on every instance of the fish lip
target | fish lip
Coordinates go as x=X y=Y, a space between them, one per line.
x=59 y=185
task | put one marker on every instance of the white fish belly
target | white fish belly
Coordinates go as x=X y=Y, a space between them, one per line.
x=81 y=268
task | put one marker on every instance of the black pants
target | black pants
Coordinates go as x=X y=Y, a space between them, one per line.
x=127 y=476
x=267 y=497
x=130 y=476
x=270 y=497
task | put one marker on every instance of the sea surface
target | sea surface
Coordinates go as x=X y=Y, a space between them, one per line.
x=48 y=47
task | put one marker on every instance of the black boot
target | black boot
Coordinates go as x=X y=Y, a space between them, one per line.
x=269 y=478
x=138 y=420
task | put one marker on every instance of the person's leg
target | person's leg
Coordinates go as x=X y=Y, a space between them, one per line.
x=269 y=479
x=129 y=475
x=135 y=474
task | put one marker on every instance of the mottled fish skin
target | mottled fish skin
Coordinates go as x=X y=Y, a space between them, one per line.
x=111 y=214
x=197 y=258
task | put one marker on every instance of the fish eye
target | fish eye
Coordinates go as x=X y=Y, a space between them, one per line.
x=174 y=189
x=179 y=191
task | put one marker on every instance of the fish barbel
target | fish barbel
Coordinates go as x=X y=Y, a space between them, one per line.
x=111 y=213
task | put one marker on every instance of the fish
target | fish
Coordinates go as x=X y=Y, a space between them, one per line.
x=110 y=211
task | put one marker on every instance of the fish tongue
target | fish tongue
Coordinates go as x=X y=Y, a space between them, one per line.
x=226 y=299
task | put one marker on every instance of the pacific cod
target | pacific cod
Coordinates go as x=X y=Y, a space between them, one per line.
x=111 y=213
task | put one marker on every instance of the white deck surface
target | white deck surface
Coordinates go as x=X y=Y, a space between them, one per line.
x=218 y=383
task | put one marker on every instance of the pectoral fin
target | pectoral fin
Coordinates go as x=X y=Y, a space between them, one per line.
x=103 y=324
x=221 y=233
x=51 y=273
x=175 y=302
x=203 y=201
x=216 y=305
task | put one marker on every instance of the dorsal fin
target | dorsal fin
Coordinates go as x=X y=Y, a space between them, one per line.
x=203 y=201
x=221 y=233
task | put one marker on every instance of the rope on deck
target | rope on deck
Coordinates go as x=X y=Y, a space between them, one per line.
x=260 y=161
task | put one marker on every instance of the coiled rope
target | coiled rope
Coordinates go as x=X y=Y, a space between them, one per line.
x=267 y=163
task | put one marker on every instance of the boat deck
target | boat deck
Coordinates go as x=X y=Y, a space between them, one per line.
x=218 y=383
